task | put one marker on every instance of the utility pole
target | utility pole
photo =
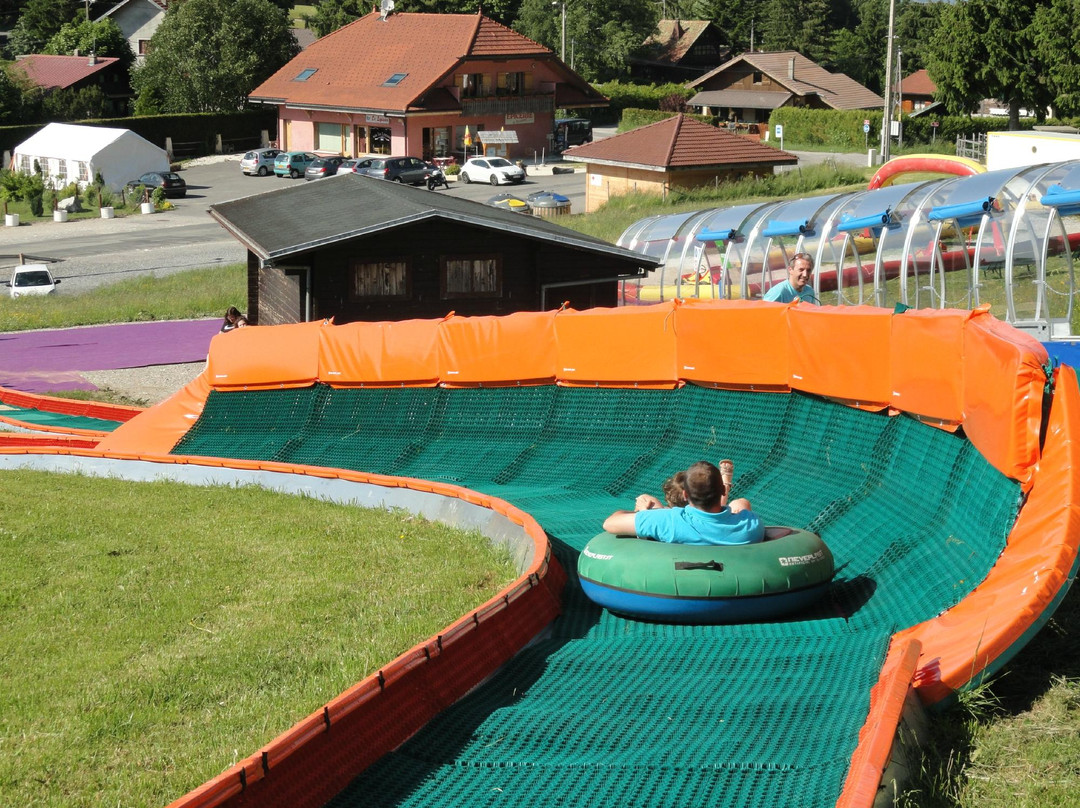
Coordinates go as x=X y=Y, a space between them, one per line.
x=562 y=46
x=886 y=122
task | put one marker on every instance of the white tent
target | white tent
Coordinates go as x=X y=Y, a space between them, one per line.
x=66 y=153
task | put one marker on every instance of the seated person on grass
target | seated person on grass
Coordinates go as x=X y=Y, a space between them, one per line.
x=704 y=520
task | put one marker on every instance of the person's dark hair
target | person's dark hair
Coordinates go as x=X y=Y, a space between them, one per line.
x=232 y=312
x=704 y=485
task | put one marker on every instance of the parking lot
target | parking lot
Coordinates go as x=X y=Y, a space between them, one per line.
x=96 y=251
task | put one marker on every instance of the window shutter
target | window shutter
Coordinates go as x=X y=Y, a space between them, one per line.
x=528 y=82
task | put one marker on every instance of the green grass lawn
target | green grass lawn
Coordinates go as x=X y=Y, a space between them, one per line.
x=155 y=633
x=180 y=296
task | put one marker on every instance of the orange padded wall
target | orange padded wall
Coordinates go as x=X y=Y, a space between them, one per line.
x=628 y=347
x=745 y=347
x=515 y=349
x=843 y=357
x=381 y=354
x=157 y=430
x=927 y=374
x=1003 y=390
x=260 y=357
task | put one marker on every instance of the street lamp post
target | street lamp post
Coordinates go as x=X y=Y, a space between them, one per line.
x=562 y=45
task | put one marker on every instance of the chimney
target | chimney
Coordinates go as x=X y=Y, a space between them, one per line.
x=93 y=59
x=75 y=52
x=791 y=68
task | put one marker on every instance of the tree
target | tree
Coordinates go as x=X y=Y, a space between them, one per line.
x=40 y=19
x=737 y=19
x=103 y=38
x=206 y=56
x=329 y=15
x=986 y=49
x=600 y=36
x=1059 y=49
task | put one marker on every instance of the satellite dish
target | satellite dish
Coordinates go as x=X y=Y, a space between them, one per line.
x=385 y=7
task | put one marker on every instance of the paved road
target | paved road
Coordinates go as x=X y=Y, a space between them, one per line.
x=102 y=251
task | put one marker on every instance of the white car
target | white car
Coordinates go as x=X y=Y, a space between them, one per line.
x=31 y=279
x=259 y=161
x=495 y=170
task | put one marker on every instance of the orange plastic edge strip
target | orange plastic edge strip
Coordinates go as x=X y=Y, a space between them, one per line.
x=1042 y=548
x=69 y=406
x=871 y=756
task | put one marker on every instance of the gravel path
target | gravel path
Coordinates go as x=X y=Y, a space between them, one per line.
x=150 y=385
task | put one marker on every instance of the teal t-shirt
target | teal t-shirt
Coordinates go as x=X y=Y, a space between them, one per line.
x=691 y=526
x=785 y=293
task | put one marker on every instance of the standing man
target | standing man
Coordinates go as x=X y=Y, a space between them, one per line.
x=797 y=286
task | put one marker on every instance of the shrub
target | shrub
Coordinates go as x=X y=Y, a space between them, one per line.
x=452 y=170
x=49 y=200
x=157 y=196
x=633 y=118
x=36 y=203
x=639 y=96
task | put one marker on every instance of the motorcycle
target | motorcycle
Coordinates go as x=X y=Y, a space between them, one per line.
x=435 y=178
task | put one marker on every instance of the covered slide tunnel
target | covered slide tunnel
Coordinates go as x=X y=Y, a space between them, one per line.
x=1004 y=237
x=908 y=443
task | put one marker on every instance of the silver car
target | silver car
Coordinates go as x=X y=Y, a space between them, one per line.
x=259 y=161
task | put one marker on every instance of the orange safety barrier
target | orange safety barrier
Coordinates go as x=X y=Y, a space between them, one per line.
x=380 y=354
x=10 y=440
x=983 y=630
x=490 y=351
x=1003 y=394
x=259 y=357
x=744 y=348
x=926 y=381
x=69 y=406
x=878 y=733
x=845 y=357
x=627 y=347
x=160 y=428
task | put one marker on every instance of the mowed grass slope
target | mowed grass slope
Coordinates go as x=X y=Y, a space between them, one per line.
x=155 y=633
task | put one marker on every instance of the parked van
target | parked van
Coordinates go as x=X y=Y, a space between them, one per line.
x=572 y=132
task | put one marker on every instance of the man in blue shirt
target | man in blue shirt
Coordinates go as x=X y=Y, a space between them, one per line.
x=704 y=521
x=797 y=286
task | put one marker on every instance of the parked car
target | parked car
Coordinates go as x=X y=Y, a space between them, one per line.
x=349 y=166
x=412 y=170
x=293 y=164
x=172 y=184
x=31 y=279
x=495 y=170
x=259 y=161
x=572 y=132
x=323 y=167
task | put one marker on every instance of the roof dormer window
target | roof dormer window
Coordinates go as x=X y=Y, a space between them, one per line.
x=395 y=80
x=306 y=74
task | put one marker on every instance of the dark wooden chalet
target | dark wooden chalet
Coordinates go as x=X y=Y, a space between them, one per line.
x=356 y=248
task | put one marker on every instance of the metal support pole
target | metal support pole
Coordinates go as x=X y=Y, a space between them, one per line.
x=886 y=122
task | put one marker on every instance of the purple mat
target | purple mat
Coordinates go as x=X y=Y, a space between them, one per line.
x=106 y=347
x=31 y=382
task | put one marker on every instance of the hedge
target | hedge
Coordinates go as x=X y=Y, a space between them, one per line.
x=632 y=96
x=198 y=131
x=633 y=118
x=842 y=130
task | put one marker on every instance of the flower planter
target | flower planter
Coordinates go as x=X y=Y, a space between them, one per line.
x=11 y=220
x=59 y=215
x=146 y=207
x=108 y=212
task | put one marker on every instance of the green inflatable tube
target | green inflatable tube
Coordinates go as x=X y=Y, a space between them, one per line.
x=706 y=583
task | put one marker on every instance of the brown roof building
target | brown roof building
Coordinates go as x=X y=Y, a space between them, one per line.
x=676 y=152
x=917 y=91
x=411 y=84
x=679 y=50
x=751 y=86
x=76 y=72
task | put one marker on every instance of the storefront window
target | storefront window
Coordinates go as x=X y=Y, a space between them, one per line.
x=380 y=140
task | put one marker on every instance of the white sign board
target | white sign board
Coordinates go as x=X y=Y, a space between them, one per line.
x=779 y=130
x=493 y=136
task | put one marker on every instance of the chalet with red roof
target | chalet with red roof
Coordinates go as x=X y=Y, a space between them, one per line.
x=917 y=91
x=676 y=152
x=679 y=50
x=76 y=72
x=424 y=85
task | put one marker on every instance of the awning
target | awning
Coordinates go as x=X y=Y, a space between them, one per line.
x=739 y=99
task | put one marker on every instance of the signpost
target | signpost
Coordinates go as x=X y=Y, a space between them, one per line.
x=933 y=130
x=779 y=131
x=866 y=133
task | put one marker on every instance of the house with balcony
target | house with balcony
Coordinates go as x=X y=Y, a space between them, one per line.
x=426 y=85
x=750 y=86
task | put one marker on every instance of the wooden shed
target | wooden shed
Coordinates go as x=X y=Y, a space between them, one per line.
x=357 y=248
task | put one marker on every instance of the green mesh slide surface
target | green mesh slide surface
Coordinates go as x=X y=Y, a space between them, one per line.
x=606 y=711
x=45 y=420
